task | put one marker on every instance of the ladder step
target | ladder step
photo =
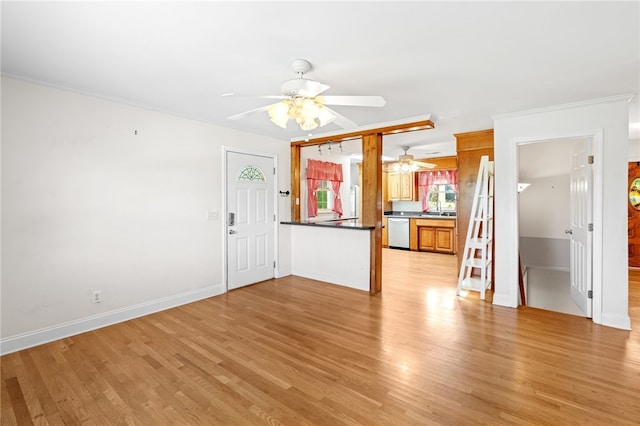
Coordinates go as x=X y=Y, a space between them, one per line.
x=474 y=284
x=478 y=242
x=477 y=262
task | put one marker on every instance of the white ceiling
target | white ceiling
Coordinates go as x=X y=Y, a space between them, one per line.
x=459 y=62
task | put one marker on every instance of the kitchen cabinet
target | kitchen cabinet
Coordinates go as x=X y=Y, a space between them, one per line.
x=402 y=187
x=436 y=235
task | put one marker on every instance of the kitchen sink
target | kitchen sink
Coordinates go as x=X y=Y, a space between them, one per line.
x=431 y=214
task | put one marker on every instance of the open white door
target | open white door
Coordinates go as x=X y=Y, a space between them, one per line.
x=250 y=219
x=581 y=226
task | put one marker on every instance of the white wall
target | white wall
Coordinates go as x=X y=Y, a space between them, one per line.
x=88 y=204
x=543 y=217
x=544 y=207
x=330 y=258
x=634 y=150
x=606 y=120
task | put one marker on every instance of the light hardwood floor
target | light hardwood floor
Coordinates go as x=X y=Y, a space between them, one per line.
x=297 y=351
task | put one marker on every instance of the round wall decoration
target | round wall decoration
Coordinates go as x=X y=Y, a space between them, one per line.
x=634 y=194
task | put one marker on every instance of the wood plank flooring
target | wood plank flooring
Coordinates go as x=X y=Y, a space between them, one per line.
x=296 y=351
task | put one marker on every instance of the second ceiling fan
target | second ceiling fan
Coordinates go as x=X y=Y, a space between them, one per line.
x=407 y=164
x=300 y=100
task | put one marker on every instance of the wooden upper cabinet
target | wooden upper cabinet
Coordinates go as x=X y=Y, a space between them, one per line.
x=402 y=187
x=393 y=186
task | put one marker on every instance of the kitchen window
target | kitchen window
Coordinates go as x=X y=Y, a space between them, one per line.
x=325 y=197
x=438 y=190
x=442 y=197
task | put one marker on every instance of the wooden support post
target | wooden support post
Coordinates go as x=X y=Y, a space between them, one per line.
x=372 y=203
x=295 y=183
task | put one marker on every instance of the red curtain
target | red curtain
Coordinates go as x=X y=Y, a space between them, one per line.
x=317 y=171
x=427 y=181
x=312 y=198
x=337 y=202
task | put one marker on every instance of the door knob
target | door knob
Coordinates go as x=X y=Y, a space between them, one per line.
x=232 y=231
x=568 y=231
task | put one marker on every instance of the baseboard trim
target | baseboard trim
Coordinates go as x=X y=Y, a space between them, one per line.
x=335 y=280
x=549 y=268
x=504 y=300
x=616 y=321
x=71 y=328
x=283 y=272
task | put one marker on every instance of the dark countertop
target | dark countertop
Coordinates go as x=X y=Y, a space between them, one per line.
x=422 y=215
x=346 y=223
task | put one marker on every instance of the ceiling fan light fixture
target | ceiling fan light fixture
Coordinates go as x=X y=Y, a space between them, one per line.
x=307 y=112
x=307 y=123
x=325 y=116
x=279 y=113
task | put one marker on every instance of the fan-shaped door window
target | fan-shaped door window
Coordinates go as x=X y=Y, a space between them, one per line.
x=251 y=174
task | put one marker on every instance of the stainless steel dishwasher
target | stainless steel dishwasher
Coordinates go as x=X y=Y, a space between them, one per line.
x=398 y=232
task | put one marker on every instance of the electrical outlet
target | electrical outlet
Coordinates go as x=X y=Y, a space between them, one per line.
x=97 y=296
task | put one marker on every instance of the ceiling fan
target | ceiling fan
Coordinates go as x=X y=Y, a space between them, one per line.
x=301 y=100
x=406 y=164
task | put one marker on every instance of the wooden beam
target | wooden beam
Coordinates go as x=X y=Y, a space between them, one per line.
x=384 y=130
x=372 y=203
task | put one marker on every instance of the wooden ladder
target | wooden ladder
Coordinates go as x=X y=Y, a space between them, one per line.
x=477 y=258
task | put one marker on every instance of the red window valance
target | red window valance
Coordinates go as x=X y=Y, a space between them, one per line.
x=323 y=170
x=429 y=181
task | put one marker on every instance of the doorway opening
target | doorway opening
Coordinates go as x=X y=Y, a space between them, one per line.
x=555 y=217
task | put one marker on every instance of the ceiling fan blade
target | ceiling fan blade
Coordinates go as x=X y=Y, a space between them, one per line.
x=243 y=95
x=370 y=101
x=251 y=111
x=341 y=120
x=311 y=89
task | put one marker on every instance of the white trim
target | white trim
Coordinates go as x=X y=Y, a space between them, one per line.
x=597 y=238
x=618 y=321
x=627 y=96
x=545 y=267
x=276 y=212
x=71 y=328
x=283 y=272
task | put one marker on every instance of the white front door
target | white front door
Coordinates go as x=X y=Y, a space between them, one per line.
x=581 y=220
x=250 y=219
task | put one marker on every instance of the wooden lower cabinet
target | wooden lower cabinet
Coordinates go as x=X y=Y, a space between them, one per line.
x=436 y=235
x=436 y=239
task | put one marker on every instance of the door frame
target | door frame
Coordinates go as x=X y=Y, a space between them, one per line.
x=223 y=223
x=597 y=136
